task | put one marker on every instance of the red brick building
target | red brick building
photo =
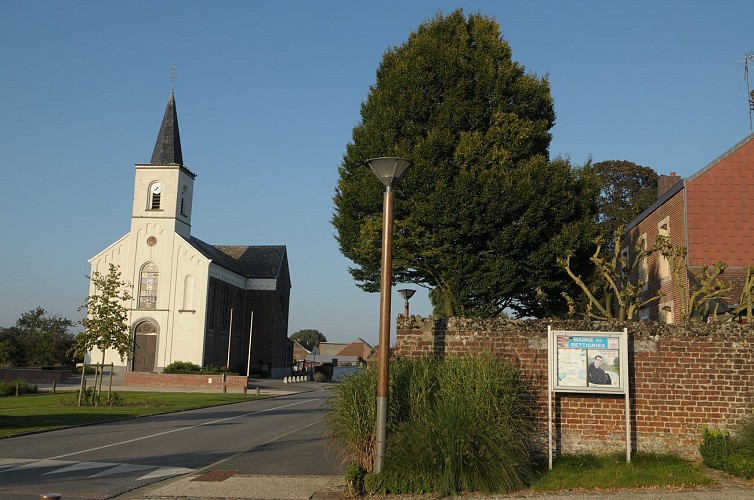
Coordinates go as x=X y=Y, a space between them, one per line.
x=709 y=213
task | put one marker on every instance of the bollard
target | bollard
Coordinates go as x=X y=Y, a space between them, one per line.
x=245 y=390
x=45 y=496
x=225 y=387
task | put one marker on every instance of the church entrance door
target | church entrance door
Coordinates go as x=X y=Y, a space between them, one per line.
x=145 y=348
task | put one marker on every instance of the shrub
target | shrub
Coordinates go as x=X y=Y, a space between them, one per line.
x=320 y=377
x=734 y=455
x=8 y=387
x=459 y=424
x=182 y=367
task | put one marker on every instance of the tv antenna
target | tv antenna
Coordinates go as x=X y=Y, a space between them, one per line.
x=749 y=58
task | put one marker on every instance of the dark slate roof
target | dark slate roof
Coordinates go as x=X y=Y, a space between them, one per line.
x=658 y=203
x=167 y=149
x=264 y=261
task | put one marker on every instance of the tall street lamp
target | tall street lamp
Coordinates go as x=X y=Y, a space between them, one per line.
x=406 y=293
x=389 y=171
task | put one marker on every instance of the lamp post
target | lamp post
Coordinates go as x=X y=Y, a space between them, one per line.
x=389 y=171
x=406 y=293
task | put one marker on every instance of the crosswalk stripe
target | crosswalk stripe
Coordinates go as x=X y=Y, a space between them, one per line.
x=166 y=471
x=38 y=464
x=82 y=466
x=122 y=469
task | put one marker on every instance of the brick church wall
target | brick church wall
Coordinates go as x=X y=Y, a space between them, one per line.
x=681 y=378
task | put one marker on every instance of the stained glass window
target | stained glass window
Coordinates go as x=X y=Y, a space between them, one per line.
x=148 y=280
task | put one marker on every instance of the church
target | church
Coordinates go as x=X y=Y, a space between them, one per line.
x=193 y=301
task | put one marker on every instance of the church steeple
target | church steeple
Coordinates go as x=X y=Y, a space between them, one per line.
x=167 y=149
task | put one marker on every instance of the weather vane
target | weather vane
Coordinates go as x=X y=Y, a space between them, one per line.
x=173 y=78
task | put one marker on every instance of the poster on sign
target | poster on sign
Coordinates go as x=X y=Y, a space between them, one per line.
x=588 y=361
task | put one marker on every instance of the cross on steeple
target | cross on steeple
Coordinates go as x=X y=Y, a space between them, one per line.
x=173 y=78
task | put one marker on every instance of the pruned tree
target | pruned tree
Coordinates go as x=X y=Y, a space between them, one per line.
x=697 y=293
x=746 y=302
x=616 y=291
x=482 y=214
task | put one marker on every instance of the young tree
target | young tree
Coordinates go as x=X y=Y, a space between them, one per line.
x=106 y=321
x=308 y=338
x=482 y=214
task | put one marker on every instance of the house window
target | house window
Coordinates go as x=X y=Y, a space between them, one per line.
x=148 y=280
x=644 y=314
x=663 y=230
x=155 y=192
x=666 y=313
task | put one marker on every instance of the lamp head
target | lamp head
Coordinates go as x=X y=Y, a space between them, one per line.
x=407 y=293
x=389 y=170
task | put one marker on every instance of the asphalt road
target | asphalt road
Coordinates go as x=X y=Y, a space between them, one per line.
x=280 y=435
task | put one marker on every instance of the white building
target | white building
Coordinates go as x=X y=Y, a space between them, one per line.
x=185 y=290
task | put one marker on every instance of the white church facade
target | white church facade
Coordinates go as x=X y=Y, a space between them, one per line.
x=192 y=301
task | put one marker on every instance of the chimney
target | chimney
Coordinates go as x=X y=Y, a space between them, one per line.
x=665 y=182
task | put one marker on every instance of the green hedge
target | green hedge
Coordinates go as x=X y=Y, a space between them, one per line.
x=730 y=454
x=8 y=387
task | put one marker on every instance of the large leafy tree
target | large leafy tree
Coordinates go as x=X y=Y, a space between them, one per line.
x=309 y=338
x=106 y=321
x=482 y=214
x=627 y=189
x=37 y=339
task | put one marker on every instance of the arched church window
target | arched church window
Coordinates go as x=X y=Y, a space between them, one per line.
x=148 y=281
x=155 y=191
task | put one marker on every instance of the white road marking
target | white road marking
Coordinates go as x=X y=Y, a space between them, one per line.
x=180 y=429
x=82 y=466
x=166 y=471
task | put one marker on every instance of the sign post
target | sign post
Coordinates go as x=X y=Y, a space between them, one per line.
x=587 y=362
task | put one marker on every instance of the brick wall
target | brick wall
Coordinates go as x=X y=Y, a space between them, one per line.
x=673 y=211
x=183 y=381
x=680 y=378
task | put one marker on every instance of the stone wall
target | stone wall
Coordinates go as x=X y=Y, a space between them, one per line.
x=183 y=381
x=680 y=378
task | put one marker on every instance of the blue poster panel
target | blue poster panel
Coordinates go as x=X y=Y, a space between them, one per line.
x=588 y=361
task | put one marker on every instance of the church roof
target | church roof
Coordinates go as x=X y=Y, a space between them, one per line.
x=259 y=261
x=167 y=149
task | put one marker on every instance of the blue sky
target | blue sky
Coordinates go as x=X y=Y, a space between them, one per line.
x=268 y=94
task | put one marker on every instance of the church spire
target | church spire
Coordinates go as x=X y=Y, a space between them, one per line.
x=167 y=149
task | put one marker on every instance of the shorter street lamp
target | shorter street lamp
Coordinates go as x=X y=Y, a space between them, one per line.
x=389 y=171
x=406 y=293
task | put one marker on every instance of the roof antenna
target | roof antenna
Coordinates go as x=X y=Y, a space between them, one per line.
x=173 y=78
x=748 y=58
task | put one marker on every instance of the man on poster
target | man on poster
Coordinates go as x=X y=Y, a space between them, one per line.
x=596 y=374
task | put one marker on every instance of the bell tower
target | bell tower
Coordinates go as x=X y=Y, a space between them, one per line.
x=164 y=187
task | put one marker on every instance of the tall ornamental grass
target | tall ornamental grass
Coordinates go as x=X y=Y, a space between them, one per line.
x=454 y=425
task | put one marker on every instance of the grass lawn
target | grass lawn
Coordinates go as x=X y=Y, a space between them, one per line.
x=36 y=412
x=590 y=472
